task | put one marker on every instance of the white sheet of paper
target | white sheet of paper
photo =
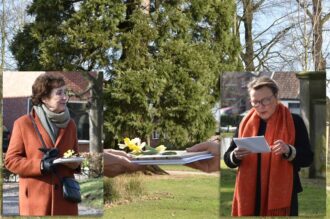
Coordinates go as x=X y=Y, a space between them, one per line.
x=256 y=144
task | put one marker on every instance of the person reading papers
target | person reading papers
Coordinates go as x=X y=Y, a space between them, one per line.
x=267 y=184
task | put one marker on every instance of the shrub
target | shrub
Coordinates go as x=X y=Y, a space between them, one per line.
x=92 y=165
x=123 y=188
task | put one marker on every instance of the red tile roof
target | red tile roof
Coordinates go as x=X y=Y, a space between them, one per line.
x=288 y=84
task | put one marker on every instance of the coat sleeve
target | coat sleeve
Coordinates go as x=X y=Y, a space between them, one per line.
x=16 y=160
x=231 y=162
x=304 y=154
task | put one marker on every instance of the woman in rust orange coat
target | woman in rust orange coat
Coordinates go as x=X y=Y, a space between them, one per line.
x=40 y=190
x=267 y=184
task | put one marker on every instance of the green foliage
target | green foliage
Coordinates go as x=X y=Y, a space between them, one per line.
x=64 y=38
x=162 y=65
x=166 y=77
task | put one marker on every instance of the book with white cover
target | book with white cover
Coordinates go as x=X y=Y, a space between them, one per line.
x=180 y=157
x=69 y=160
x=257 y=144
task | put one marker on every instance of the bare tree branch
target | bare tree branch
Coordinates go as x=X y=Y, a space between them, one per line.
x=266 y=49
x=269 y=27
x=325 y=18
x=257 y=5
x=310 y=15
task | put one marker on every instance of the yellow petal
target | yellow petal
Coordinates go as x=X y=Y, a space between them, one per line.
x=160 y=148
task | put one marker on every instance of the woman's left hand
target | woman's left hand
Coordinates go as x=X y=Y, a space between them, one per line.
x=73 y=165
x=280 y=147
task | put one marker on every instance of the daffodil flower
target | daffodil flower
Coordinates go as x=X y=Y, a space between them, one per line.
x=160 y=148
x=134 y=145
x=69 y=153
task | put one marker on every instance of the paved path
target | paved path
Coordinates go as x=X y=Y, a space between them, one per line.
x=10 y=202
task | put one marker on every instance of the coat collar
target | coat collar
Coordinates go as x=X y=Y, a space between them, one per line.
x=44 y=133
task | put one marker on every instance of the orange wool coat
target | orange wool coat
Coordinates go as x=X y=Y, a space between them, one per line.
x=39 y=194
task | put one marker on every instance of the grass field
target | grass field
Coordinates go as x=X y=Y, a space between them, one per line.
x=312 y=201
x=92 y=192
x=177 y=167
x=172 y=196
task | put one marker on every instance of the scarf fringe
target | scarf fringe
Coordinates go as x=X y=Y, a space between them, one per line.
x=279 y=212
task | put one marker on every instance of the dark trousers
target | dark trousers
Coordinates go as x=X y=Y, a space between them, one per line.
x=294 y=205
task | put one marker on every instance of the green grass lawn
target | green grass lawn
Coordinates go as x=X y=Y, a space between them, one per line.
x=182 y=196
x=92 y=192
x=227 y=134
x=312 y=201
x=177 y=167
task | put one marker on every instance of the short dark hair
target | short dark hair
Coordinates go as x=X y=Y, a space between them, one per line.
x=263 y=81
x=43 y=85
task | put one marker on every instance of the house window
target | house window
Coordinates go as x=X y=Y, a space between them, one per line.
x=294 y=108
x=155 y=135
x=80 y=116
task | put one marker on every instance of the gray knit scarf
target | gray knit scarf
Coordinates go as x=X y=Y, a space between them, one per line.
x=52 y=121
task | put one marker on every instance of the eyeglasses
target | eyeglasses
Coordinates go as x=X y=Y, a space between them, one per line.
x=264 y=102
x=60 y=92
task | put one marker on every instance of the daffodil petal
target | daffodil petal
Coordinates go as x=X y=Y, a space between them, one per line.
x=122 y=146
x=136 y=141
x=127 y=141
x=160 y=148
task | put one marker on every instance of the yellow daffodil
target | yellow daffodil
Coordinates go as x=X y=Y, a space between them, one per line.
x=69 y=153
x=160 y=148
x=134 y=145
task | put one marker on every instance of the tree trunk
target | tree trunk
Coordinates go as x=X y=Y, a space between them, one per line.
x=247 y=19
x=96 y=115
x=3 y=42
x=3 y=37
x=319 y=60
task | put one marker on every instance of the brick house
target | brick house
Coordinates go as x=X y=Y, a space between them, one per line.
x=17 y=90
x=289 y=87
x=235 y=98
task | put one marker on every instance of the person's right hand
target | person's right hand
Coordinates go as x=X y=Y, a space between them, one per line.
x=118 y=162
x=240 y=153
x=47 y=165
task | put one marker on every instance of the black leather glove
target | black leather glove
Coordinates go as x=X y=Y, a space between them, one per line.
x=47 y=165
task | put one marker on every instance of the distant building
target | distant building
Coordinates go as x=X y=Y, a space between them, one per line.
x=235 y=98
x=17 y=91
x=289 y=87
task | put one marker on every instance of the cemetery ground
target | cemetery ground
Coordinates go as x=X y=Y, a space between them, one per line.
x=312 y=201
x=184 y=193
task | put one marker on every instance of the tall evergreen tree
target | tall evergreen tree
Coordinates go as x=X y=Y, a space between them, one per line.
x=72 y=36
x=162 y=61
x=170 y=62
